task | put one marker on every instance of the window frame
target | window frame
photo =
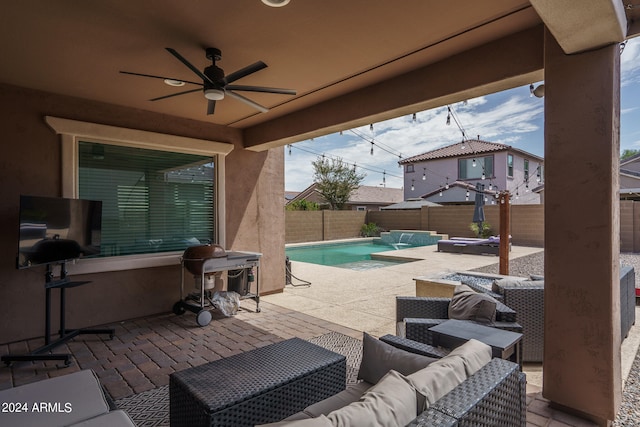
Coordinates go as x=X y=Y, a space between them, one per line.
x=72 y=132
x=510 y=165
x=467 y=158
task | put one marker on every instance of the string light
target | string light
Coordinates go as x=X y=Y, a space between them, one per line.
x=413 y=187
x=384 y=177
x=446 y=187
x=289 y=145
x=371 y=152
x=483 y=176
x=473 y=163
x=414 y=118
x=424 y=174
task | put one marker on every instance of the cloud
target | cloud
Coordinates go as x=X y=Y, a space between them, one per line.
x=506 y=117
x=630 y=63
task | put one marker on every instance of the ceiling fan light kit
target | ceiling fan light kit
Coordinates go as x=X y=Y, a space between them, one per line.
x=276 y=3
x=215 y=84
x=214 y=94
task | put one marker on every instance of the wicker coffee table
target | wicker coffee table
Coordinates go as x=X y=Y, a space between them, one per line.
x=256 y=387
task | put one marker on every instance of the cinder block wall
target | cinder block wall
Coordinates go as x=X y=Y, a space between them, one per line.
x=527 y=223
x=397 y=220
x=303 y=226
x=343 y=224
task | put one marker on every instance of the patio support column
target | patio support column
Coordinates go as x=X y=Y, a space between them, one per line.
x=582 y=243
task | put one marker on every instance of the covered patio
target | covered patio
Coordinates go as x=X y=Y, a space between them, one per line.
x=350 y=64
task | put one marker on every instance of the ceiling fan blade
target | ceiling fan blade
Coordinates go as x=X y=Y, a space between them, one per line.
x=211 y=107
x=261 y=89
x=247 y=101
x=243 y=72
x=189 y=64
x=176 y=94
x=159 y=77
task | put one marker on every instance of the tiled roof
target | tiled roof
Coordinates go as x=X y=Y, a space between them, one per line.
x=456 y=150
x=370 y=194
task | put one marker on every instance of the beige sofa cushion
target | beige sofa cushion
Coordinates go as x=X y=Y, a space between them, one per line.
x=443 y=375
x=79 y=394
x=320 y=421
x=391 y=402
x=474 y=354
x=378 y=358
x=351 y=394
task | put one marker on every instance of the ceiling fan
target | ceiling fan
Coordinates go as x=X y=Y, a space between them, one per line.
x=215 y=84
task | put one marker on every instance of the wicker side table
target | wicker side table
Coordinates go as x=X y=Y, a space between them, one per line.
x=257 y=387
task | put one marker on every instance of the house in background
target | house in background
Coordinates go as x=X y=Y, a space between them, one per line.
x=630 y=178
x=450 y=174
x=364 y=198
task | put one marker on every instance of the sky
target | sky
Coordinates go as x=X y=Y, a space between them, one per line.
x=511 y=117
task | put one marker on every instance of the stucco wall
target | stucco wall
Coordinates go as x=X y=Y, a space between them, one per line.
x=31 y=165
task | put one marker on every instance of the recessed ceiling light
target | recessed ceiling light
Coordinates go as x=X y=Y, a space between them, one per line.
x=176 y=83
x=276 y=3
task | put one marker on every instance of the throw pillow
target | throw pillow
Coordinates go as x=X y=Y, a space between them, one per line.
x=466 y=304
x=438 y=379
x=391 y=402
x=378 y=358
x=474 y=354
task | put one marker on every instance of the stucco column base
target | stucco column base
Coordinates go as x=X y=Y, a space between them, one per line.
x=598 y=421
x=581 y=369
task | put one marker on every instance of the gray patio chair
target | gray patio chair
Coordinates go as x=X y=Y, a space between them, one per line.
x=415 y=315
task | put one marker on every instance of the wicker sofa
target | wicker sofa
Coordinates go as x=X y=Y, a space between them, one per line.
x=492 y=394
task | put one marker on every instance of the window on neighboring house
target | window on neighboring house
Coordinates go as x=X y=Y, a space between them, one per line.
x=361 y=208
x=526 y=170
x=510 y=165
x=409 y=169
x=483 y=166
x=153 y=201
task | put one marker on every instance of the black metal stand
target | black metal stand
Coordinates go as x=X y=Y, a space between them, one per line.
x=43 y=353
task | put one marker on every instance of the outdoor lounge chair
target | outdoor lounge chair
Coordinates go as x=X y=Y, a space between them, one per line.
x=464 y=245
x=415 y=315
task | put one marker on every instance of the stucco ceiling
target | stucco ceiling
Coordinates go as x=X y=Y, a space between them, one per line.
x=322 y=49
x=319 y=48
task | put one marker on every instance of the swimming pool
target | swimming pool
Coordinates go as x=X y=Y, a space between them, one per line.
x=351 y=255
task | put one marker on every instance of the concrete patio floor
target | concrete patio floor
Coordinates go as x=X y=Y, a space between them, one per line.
x=144 y=352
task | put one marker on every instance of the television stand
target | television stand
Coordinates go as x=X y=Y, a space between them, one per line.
x=44 y=352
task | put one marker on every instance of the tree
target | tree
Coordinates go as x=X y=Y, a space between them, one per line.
x=628 y=153
x=302 y=205
x=336 y=181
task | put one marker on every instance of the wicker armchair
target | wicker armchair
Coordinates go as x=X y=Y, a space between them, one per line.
x=415 y=315
x=527 y=299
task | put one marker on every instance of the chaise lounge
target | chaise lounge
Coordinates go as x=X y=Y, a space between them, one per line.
x=464 y=245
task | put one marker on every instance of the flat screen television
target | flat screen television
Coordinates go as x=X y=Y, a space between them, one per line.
x=55 y=230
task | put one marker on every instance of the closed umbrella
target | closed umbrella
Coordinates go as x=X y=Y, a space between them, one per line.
x=478 y=209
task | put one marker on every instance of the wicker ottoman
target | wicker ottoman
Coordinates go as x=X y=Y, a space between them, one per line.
x=260 y=386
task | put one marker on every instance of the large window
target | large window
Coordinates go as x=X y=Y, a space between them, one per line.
x=475 y=168
x=510 y=165
x=153 y=201
x=160 y=192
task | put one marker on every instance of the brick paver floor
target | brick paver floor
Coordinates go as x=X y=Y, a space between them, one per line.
x=145 y=351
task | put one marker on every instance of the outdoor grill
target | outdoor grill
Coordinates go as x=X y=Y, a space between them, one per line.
x=204 y=263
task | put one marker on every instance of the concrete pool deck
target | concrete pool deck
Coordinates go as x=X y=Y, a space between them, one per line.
x=365 y=300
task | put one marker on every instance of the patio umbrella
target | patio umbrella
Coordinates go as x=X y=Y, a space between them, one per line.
x=478 y=209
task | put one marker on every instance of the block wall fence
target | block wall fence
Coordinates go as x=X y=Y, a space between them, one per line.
x=527 y=223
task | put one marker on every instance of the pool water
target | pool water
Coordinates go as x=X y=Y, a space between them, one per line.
x=351 y=255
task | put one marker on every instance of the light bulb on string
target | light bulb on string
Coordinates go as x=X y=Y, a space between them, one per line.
x=440 y=192
x=289 y=145
x=384 y=177
x=371 y=127
x=473 y=163
x=371 y=152
x=413 y=187
x=446 y=187
x=448 y=116
x=483 y=176
x=424 y=174
x=414 y=118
